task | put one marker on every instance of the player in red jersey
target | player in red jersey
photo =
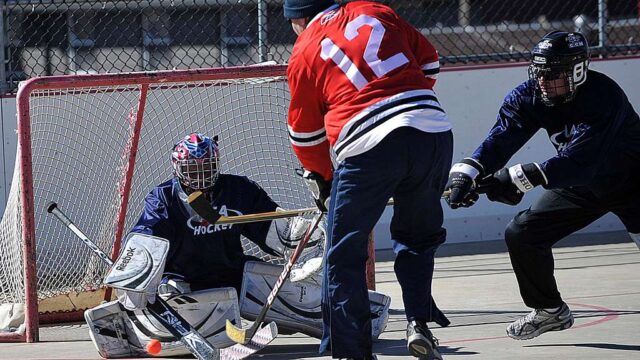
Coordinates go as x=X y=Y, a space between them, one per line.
x=361 y=82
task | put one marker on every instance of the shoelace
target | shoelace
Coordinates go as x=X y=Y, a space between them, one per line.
x=435 y=340
x=520 y=323
x=429 y=335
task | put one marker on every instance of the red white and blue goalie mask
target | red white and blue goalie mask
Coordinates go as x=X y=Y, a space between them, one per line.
x=195 y=161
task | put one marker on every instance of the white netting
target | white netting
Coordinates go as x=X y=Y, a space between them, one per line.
x=80 y=139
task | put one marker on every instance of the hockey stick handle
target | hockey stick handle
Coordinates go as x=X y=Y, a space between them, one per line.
x=273 y=215
x=162 y=311
x=52 y=208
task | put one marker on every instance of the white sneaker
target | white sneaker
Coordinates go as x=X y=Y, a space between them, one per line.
x=540 y=321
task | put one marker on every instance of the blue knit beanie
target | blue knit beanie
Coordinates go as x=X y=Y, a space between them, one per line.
x=298 y=9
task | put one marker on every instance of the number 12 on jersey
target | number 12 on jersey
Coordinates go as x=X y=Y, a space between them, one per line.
x=379 y=67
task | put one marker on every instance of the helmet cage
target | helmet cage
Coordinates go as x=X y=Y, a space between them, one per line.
x=197 y=174
x=195 y=161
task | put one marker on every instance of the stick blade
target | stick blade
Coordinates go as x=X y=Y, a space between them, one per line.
x=259 y=341
x=238 y=335
x=202 y=207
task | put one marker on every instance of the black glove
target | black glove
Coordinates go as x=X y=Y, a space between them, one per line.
x=460 y=188
x=320 y=189
x=508 y=185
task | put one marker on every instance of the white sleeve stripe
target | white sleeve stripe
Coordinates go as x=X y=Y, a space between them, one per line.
x=434 y=76
x=299 y=134
x=544 y=176
x=465 y=169
x=431 y=65
x=308 y=143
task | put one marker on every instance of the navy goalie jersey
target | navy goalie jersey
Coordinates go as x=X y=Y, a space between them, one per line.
x=206 y=255
x=596 y=136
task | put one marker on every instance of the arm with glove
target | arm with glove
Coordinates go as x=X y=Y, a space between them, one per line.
x=480 y=173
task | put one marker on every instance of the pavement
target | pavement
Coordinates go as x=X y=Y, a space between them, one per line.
x=480 y=296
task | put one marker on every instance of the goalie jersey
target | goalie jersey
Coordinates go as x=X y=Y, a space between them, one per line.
x=596 y=136
x=206 y=255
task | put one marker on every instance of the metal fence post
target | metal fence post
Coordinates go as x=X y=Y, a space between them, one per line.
x=602 y=25
x=262 y=30
x=3 y=63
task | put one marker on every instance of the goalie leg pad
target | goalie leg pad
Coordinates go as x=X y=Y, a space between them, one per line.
x=380 y=304
x=206 y=310
x=298 y=305
x=117 y=332
x=12 y=318
x=112 y=332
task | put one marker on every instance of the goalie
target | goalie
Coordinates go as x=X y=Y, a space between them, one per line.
x=207 y=277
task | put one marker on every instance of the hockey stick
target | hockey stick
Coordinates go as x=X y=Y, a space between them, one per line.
x=202 y=207
x=242 y=336
x=164 y=313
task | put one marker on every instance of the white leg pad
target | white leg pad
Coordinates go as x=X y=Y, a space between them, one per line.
x=298 y=305
x=12 y=318
x=380 y=304
x=117 y=332
x=112 y=332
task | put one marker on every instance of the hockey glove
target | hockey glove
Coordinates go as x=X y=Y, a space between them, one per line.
x=508 y=185
x=461 y=184
x=320 y=189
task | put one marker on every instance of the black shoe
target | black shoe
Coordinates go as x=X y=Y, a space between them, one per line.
x=421 y=343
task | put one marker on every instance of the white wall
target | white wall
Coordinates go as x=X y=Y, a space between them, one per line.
x=471 y=96
x=8 y=147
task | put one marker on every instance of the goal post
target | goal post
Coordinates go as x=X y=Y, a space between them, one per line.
x=97 y=144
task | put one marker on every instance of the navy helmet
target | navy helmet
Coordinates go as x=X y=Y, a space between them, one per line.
x=561 y=60
x=299 y=9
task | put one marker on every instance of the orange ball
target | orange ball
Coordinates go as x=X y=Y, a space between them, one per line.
x=154 y=346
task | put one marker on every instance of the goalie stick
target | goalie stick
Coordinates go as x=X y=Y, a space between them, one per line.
x=172 y=321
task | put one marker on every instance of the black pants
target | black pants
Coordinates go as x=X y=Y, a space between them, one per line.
x=556 y=214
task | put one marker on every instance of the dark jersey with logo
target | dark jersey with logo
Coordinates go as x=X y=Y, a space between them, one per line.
x=206 y=255
x=597 y=136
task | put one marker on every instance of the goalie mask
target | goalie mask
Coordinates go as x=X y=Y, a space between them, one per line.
x=195 y=161
x=559 y=65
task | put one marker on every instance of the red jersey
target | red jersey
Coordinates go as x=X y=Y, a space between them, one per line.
x=357 y=72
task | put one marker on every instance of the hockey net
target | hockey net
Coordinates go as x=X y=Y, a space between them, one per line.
x=97 y=144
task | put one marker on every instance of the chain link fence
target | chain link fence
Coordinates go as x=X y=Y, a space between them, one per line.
x=77 y=37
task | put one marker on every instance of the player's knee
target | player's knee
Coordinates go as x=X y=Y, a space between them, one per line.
x=515 y=235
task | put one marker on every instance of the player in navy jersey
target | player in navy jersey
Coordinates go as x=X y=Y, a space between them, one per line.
x=596 y=133
x=361 y=81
